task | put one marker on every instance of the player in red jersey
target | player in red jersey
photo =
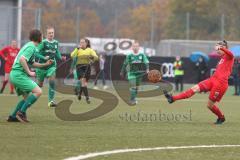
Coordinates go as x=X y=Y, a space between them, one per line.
x=8 y=54
x=217 y=84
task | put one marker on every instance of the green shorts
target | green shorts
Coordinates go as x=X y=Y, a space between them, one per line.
x=75 y=75
x=22 y=83
x=43 y=73
x=135 y=79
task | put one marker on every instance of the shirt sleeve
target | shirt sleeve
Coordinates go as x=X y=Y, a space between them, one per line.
x=38 y=55
x=227 y=53
x=124 y=65
x=58 y=53
x=94 y=55
x=74 y=53
x=39 y=51
x=40 y=47
x=145 y=59
x=28 y=53
x=3 y=51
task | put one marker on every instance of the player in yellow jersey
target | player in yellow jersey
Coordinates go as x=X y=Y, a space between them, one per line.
x=85 y=57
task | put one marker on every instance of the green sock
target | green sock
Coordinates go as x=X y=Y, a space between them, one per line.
x=75 y=75
x=78 y=85
x=51 y=90
x=28 y=102
x=133 y=92
x=17 y=108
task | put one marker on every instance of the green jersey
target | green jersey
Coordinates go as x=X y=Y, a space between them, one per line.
x=28 y=51
x=135 y=63
x=48 y=48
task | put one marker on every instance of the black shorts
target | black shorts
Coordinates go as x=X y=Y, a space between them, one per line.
x=83 y=71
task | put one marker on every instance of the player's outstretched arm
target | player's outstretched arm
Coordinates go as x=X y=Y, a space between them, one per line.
x=24 y=64
x=40 y=65
x=38 y=55
x=147 y=67
x=227 y=52
x=58 y=53
x=94 y=55
x=2 y=53
x=146 y=61
x=74 y=53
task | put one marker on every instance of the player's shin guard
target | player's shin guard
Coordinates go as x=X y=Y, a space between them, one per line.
x=4 y=85
x=51 y=90
x=17 y=108
x=186 y=94
x=217 y=111
x=28 y=102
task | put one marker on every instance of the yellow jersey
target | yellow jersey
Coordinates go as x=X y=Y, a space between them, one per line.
x=84 y=56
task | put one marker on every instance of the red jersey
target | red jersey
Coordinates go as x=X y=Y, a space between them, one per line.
x=224 y=67
x=9 y=54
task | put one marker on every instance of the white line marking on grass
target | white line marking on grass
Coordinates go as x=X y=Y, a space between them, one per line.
x=104 y=153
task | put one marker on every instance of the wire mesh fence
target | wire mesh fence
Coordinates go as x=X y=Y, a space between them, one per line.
x=175 y=37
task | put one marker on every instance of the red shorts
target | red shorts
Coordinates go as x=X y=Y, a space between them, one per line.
x=217 y=89
x=7 y=68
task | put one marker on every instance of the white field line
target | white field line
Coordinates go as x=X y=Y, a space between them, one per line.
x=104 y=153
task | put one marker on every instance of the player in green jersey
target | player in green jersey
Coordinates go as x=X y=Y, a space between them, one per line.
x=48 y=49
x=136 y=64
x=20 y=77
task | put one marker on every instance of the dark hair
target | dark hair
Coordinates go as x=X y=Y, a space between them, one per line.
x=223 y=43
x=35 y=35
x=88 y=43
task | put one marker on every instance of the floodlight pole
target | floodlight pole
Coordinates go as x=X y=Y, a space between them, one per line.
x=19 y=23
x=38 y=13
x=187 y=25
x=152 y=29
x=78 y=26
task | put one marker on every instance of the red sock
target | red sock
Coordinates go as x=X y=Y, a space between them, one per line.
x=217 y=111
x=186 y=94
x=4 y=85
x=11 y=88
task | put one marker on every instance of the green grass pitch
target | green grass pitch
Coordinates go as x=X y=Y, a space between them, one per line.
x=49 y=138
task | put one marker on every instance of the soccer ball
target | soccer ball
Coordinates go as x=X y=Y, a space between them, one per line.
x=154 y=76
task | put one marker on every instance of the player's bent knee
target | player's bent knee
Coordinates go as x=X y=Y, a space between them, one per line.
x=40 y=84
x=37 y=91
x=195 y=88
x=210 y=104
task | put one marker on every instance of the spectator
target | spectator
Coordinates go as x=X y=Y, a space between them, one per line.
x=178 y=73
x=101 y=73
x=8 y=54
x=236 y=76
x=201 y=67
